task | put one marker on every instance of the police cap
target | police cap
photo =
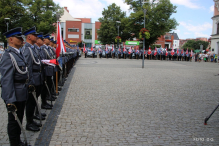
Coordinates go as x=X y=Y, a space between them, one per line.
x=31 y=31
x=16 y=32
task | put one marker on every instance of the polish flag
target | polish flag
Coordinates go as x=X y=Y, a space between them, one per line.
x=106 y=49
x=124 y=50
x=187 y=52
x=60 y=44
x=182 y=51
x=172 y=52
x=84 y=50
x=191 y=53
x=166 y=52
x=149 y=51
x=130 y=50
x=51 y=62
x=177 y=51
x=155 y=52
x=112 y=48
x=119 y=49
x=92 y=48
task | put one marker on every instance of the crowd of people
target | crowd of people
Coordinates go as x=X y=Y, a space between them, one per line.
x=30 y=70
x=156 y=54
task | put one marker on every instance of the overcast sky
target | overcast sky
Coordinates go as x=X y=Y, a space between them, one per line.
x=193 y=16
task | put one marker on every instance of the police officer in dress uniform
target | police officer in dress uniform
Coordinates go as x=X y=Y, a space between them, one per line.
x=34 y=66
x=44 y=104
x=14 y=72
x=49 y=70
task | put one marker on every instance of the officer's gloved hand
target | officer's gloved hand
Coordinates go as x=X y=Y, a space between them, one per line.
x=31 y=88
x=11 y=107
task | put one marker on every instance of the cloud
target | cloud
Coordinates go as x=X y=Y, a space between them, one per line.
x=123 y=6
x=186 y=3
x=212 y=8
x=83 y=8
x=196 y=28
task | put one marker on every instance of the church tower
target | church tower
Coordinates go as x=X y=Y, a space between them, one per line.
x=215 y=29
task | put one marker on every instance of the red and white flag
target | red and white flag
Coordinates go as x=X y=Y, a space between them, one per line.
x=84 y=50
x=149 y=51
x=112 y=48
x=60 y=47
x=51 y=62
x=191 y=53
x=130 y=50
x=177 y=51
x=155 y=51
x=187 y=52
x=106 y=48
x=124 y=50
x=166 y=52
x=172 y=52
x=92 y=49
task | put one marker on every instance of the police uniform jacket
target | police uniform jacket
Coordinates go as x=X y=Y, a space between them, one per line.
x=48 y=70
x=31 y=55
x=41 y=57
x=14 y=82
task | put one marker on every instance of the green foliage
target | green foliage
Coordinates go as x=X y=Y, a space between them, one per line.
x=108 y=29
x=153 y=46
x=80 y=44
x=29 y=13
x=194 y=45
x=157 y=19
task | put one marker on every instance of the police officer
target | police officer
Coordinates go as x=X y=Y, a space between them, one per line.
x=34 y=65
x=49 y=70
x=38 y=45
x=14 y=72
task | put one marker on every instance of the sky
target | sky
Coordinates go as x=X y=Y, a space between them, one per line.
x=193 y=16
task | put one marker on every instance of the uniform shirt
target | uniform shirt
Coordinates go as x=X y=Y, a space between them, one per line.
x=12 y=90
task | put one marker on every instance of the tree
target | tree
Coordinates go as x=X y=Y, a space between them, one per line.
x=157 y=19
x=194 y=45
x=28 y=13
x=108 y=29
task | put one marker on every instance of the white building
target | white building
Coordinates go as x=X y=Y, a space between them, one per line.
x=215 y=29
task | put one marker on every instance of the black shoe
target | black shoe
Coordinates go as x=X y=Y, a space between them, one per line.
x=59 y=89
x=32 y=127
x=49 y=104
x=43 y=114
x=21 y=143
x=55 y=94
x=45 y=106
x=37 y=117
x=54 y=97
x=50 y=99
x=37 y=124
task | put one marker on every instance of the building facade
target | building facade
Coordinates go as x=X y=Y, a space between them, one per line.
x=75 y=30
x=215 y=29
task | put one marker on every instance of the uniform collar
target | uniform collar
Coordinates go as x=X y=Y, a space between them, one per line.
x=15 y=49
x=28 y=44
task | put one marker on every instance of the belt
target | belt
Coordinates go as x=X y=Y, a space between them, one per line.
x=21 y=81
x=35 y=70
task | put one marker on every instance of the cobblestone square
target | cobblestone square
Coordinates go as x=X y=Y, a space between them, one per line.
x=116 y=102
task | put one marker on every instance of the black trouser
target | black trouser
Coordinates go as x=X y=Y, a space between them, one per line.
x=44 y=93
x=31 y=104
x=13 y=128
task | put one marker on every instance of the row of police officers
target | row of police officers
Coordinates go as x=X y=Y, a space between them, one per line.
x=24 y=78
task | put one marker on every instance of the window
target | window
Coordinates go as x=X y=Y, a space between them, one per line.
x=218 y=28
x=73 y=30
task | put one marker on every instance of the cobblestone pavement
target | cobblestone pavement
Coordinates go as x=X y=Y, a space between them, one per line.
x=116 y=102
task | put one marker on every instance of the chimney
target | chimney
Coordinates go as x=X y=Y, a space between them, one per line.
x=66 y=8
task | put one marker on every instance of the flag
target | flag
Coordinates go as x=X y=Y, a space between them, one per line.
x=112 y=48
x=187 y=52
x=130 y=50
x=166 y=51
x=84 y=50
x=106 y=49
x=191 y=53
x=149 y=51
x=155 y=52
x=182 y=52
x=172 y=52
x=177 y=51
x=60 y=44
x=92 y=48
x=124 y=50
x=51 y=62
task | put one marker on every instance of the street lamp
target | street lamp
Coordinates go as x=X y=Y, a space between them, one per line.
x=118 y=23
x=7 y=22
x=143 y=1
